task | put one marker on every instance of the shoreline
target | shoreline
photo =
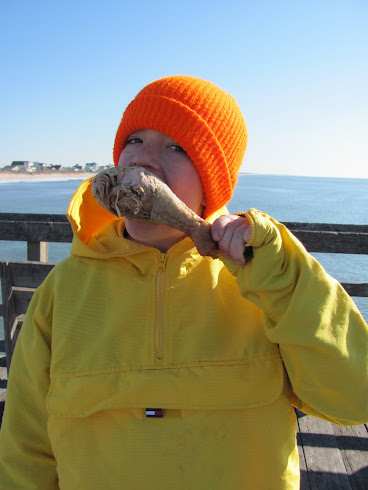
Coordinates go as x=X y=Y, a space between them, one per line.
x=8 y=177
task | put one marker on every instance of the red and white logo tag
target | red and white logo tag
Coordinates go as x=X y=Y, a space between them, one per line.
x=154 y=412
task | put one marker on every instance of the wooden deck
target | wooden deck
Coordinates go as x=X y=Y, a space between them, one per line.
x=331 y=457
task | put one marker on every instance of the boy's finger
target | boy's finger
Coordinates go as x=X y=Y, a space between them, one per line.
x=232 y=241
x=237 y=245
x=219 y=226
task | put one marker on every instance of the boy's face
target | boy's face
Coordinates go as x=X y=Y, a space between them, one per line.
x=163 y=157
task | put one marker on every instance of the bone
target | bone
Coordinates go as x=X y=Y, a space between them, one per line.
x=137 y=194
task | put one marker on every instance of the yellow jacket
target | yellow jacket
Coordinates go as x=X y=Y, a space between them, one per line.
x=225 y=351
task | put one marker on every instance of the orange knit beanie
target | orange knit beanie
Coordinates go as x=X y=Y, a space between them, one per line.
x=200 y=117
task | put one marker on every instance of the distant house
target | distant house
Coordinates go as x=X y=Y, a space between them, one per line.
x=77 y=168
x=16 y=166
x=51 y=167
x=91 y=167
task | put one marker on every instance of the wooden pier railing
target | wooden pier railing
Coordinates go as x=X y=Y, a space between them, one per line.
x=37 y=230
x=331 y=457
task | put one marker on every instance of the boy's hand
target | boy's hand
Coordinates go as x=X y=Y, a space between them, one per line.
x=232 y=234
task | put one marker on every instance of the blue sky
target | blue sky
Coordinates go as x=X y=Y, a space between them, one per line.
x=298 y=69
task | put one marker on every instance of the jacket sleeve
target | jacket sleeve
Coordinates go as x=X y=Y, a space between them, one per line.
x=322 y=337
x=26 y=458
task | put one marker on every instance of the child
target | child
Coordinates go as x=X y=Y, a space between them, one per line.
x=142 y=365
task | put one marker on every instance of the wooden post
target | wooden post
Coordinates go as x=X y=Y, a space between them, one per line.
x=37 y=251
x=8 y=311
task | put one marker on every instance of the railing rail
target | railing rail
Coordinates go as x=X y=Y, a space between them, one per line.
x=37 y=230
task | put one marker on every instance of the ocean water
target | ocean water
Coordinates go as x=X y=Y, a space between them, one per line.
x=286 y=198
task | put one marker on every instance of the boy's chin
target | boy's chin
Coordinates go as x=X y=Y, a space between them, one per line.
x=150 y=233
x=143 y=228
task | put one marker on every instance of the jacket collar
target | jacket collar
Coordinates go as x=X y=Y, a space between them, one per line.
x=99 y=234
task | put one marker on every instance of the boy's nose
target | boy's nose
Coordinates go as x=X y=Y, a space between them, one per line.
x=148 y=159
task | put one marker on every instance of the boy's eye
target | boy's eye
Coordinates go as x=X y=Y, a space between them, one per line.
x=178 y=148
x=132 y=141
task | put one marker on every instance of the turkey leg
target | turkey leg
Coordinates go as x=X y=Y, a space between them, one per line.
x=137 y=194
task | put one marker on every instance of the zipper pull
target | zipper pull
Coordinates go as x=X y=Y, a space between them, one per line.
x=162 y=262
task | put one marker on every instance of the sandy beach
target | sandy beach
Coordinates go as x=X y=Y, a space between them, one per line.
x=40 y=176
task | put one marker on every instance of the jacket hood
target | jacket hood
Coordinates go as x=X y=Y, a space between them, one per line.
x=100 y=234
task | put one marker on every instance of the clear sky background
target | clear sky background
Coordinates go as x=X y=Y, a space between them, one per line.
x=298 y=69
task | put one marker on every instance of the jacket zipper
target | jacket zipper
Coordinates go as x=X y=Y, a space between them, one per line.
x=160 y=296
